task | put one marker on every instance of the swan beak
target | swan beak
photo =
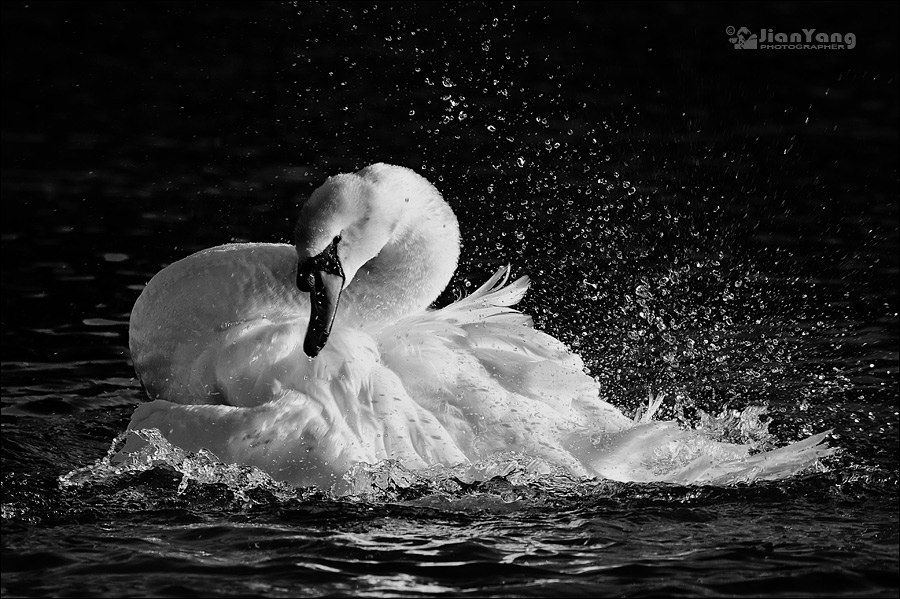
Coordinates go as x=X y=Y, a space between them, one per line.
x=322 y=277
x=324 y=298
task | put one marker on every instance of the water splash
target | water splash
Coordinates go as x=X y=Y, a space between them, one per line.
x=509 y=476
x=384 y=481
x=202 y=468
x=691 y=458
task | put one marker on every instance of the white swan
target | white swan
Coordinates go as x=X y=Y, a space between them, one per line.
x=302 y=360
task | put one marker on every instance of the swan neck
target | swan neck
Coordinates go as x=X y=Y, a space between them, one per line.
x=410 y=271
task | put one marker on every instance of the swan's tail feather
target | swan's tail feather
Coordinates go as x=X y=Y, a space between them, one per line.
x=655 y=451
x=770 y=465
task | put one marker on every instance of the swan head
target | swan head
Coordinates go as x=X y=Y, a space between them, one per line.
x=385 y=227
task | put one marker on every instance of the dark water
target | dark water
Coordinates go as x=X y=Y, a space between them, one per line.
x=717 y=224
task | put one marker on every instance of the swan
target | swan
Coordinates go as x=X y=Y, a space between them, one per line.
x=305 y=359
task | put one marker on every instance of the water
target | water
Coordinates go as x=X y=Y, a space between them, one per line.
x=718 y=225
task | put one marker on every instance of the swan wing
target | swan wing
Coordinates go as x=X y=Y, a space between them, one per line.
x=492 y=380
x=222 y=326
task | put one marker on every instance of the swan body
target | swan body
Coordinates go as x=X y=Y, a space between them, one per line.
x=305 y=359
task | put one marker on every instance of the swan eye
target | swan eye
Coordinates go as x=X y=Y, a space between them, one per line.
x=305 y=281
x=327 y=261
